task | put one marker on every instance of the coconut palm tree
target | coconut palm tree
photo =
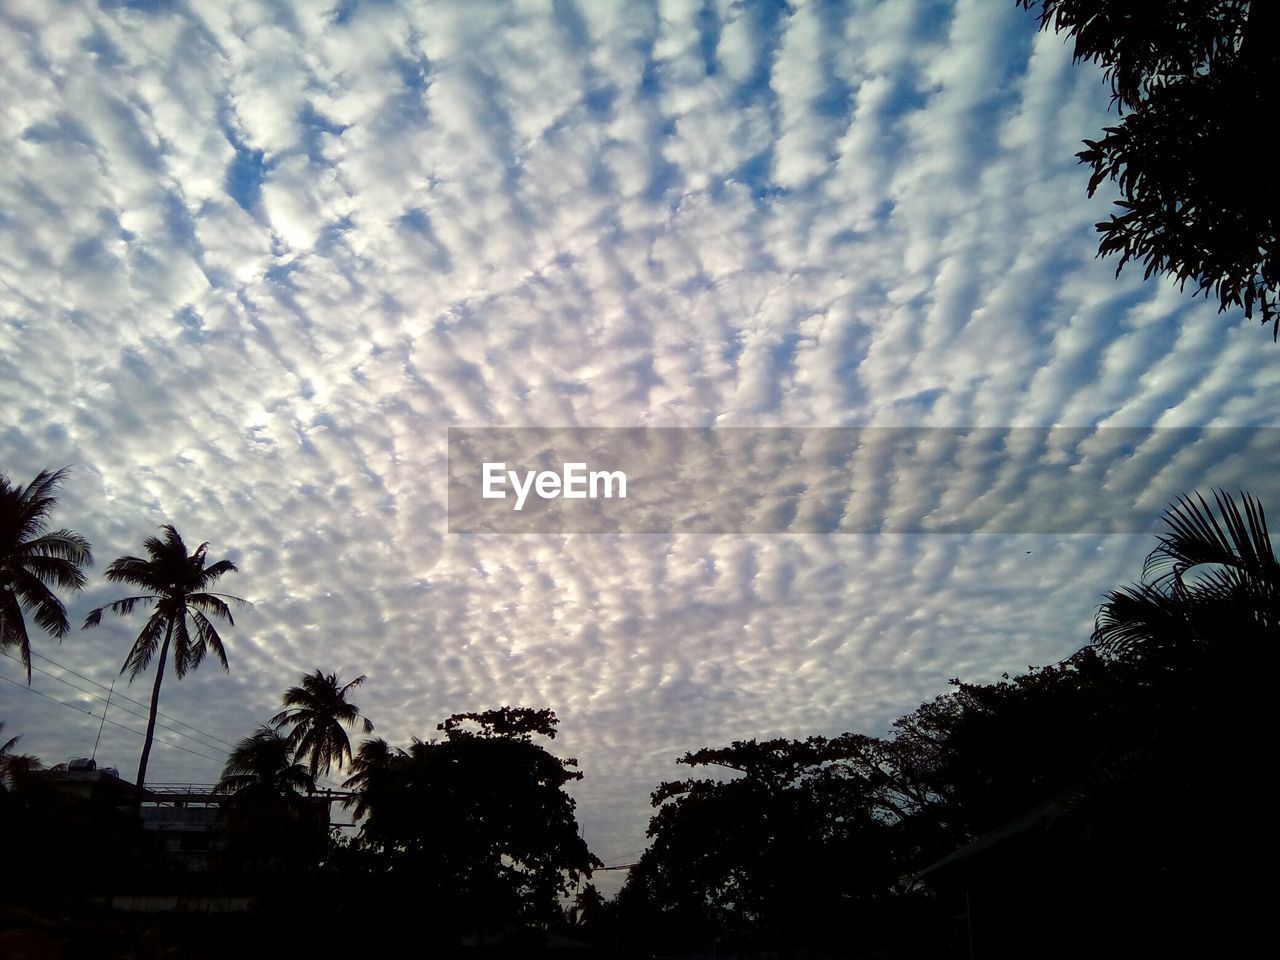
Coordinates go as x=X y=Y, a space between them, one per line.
x=270 y=825
x=317 y=711
x=372 y=761
x=1213 y=575
x=1196 y=636
x=176 y=585
x=15 y=768
x=33 y=560
x=262 y=765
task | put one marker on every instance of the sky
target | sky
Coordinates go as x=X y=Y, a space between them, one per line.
x=257 y=258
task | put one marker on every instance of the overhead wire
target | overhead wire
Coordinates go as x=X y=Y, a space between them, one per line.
x=112 y=701
x=123 y=696
x=78 y=709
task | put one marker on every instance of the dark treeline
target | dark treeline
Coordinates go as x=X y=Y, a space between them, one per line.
x=1099 y=805
x=1093 y=807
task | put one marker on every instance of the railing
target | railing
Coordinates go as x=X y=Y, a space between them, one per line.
x=209 y=793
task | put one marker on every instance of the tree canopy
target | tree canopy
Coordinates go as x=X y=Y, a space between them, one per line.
x=1076 y=775
x=1192 y=81
x=176 y=586
x=33 y=560
x=317 y=711
x=270 y=825
x=479 y=818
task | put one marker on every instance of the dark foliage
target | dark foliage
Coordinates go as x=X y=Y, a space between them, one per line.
x=813 y=838
x=1192 y=81
x=1108 y=772
x=272 y=826
x=63 y=849
x=34 y=560
x=175 y=586
x=317 y=711
x=478 y=822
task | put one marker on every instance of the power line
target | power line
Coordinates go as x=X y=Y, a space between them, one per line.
x=119 y=696
x=138 y=733
x=146 y=706
x=140 y=716
x=623 y=856
x=98 y=739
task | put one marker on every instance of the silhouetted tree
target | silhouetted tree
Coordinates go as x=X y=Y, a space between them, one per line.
x=176 y=585
x=1114 y=771
x=1213 y=579
x=270 y=823
x=479 y=820
x=372 y=761
x=317 y=712
x=262 y=764
x=1193 y=82
x=14 y=767
x=809 y=841
x=588 y=908
x=33 y=560
x=1202 y=628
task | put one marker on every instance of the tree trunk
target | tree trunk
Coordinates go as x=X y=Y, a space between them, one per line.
x=151 y=720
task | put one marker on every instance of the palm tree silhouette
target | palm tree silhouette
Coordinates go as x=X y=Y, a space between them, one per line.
x=15 y=768
x=373 y=760
x=32 y=560
x=1196 y=638
x=268 y=823
x=176 y=584
x=262 y=766
x=317 y=711
x=1213 y=574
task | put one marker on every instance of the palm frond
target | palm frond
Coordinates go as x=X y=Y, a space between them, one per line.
x=13 y=629
x=1212 y=576
x=124 y=606
x=32 y=562
x=352 y=685
x=209 y=639
x=61 y=544
x=213 y=604
x=185 y=655
x=144 y=647
x=31 y=504
x=1138 y=614
x=212 y=572
x=135 y=571
x=53 y=570
x=1198 y=537
x=49 y=612
x=263 y=761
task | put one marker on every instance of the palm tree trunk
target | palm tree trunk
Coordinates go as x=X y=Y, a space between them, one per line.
x=151 y=720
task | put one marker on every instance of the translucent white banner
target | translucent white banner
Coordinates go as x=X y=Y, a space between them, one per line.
x=844 y=480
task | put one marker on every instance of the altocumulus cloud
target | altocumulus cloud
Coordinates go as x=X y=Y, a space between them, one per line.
x=256 y=258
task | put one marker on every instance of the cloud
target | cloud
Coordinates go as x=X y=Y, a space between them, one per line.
x=256 y=259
